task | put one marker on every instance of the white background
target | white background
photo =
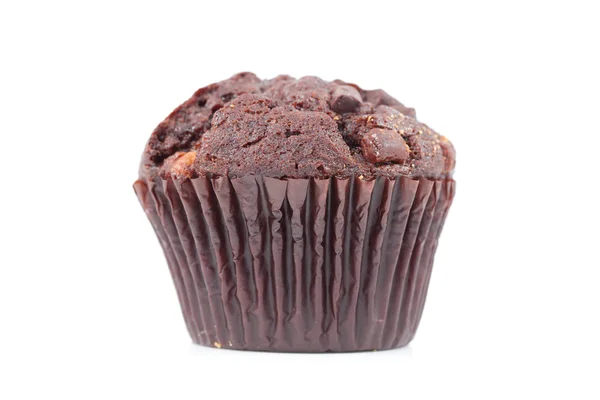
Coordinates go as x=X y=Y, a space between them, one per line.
x=87 y=307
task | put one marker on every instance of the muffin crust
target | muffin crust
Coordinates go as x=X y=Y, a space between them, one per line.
x=294 y=128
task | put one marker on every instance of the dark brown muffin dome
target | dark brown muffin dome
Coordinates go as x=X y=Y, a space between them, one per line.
x=294 y=128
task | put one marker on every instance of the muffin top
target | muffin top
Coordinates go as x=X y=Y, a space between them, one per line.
x=294 y=128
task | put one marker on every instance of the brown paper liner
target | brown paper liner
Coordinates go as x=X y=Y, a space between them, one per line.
x=299 y=265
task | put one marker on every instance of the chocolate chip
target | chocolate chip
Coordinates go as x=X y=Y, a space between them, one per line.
x=227 y=97
x=380 y=97
x=384 y=145
x=449 y=154
x=345 y=99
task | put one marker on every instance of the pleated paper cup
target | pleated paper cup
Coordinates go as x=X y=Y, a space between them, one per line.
x=299 y=265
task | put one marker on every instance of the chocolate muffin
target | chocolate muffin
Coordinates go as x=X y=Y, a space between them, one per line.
x=297 y=214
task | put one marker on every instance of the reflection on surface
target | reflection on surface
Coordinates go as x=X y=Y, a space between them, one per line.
x=405 y=353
